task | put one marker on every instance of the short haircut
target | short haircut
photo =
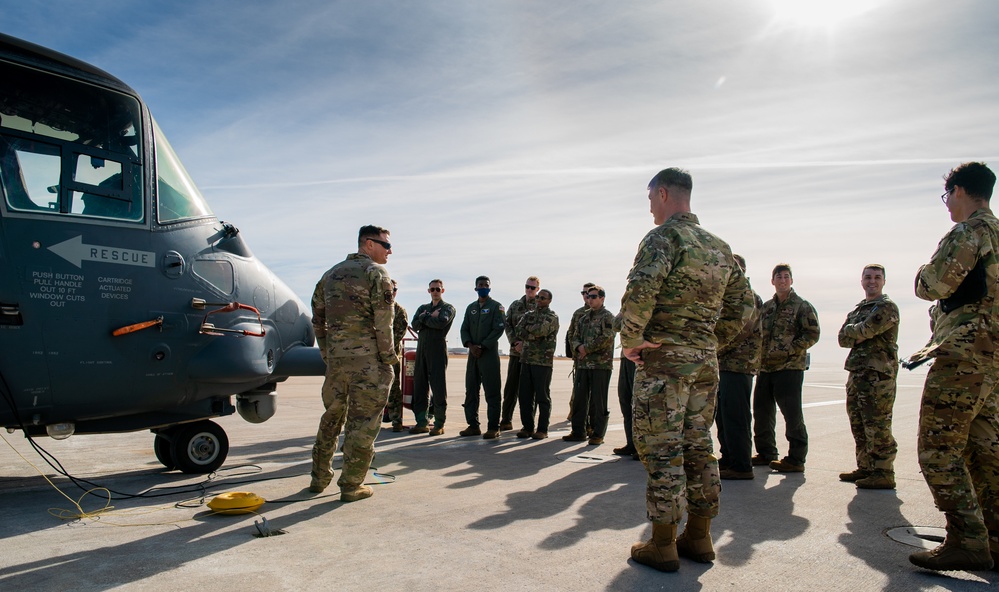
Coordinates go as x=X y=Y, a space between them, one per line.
x=600 y=290
x=740 y=260
x=481 y=278
x=781 y=267
x=976 y=179
x=535 y=278
x=588 y=285
x=544 y=291
x=370 y=231
x=436 y=281
x=672 y=177
x=876 y=266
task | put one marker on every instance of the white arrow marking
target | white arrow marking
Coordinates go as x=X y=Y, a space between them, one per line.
x=76 y=251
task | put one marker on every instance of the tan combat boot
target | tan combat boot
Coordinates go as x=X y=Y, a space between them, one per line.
x=876 y=481
x=695 y=542
x=659 y=552
x=951 y=557
x=353 y=494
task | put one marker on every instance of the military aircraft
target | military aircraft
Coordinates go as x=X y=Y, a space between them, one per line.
x=125 y=304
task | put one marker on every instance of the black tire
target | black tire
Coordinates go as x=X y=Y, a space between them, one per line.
x=199 y=447
x=164 y=454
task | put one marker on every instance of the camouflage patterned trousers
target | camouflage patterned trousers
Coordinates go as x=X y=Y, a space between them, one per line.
x=673 y=407
x=354 y=393
x=959 y=449
x=870 y=399
x=395 y=395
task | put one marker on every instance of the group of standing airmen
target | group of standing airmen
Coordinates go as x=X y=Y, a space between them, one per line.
x=693 y=334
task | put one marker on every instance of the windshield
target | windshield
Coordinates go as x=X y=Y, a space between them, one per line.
x=177 y=197
x=68 y=147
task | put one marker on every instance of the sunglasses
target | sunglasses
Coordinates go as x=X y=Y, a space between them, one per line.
x=530 y=287
x=433 y=289
x=593 y=296
x=387 y=246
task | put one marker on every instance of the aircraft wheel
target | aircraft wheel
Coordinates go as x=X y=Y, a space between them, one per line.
x=161 y=446
x=199 y=447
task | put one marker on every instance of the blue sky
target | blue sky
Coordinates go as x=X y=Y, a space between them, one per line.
x=517 y=138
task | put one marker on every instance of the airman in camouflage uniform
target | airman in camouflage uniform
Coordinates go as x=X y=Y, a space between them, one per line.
x=538 y=332
x=480 y=332
x=959 y=416
x=685 y=297
x=871 y=333
x=399 y=326
x=570 y=334
x=431 y=322
x=513 y=315
x=790 y=327
x=352 y=315
x=593 y=350
x=738 y=362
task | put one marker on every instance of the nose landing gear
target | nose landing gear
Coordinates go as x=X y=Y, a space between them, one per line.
x=199 y=447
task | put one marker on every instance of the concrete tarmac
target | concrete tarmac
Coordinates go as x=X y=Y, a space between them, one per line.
x=453 y=513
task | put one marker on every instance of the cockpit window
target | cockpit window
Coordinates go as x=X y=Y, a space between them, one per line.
x=68 y=147
x=177 y=197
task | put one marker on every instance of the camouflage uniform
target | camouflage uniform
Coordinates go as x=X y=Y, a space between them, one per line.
x=431 y=360
x=686 y=293
x=959 y=417
x=738 y=362
x=595 y=332
x=352 y=315
x=570 y=335
x=789 y=329
x=483 y=325
x=871 y=333
x=538 y=329
x=513 y=315
x=399 y=326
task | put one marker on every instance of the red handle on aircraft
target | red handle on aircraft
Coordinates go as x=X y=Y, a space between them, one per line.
x=137 y=327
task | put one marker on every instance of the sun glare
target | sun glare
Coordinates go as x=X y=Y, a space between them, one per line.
x=819 y=13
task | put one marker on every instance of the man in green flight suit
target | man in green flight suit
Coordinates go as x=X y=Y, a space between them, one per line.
x=431 y=322
x=480 y=332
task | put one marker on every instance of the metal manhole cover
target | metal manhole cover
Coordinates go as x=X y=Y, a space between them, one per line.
x=924 y=537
